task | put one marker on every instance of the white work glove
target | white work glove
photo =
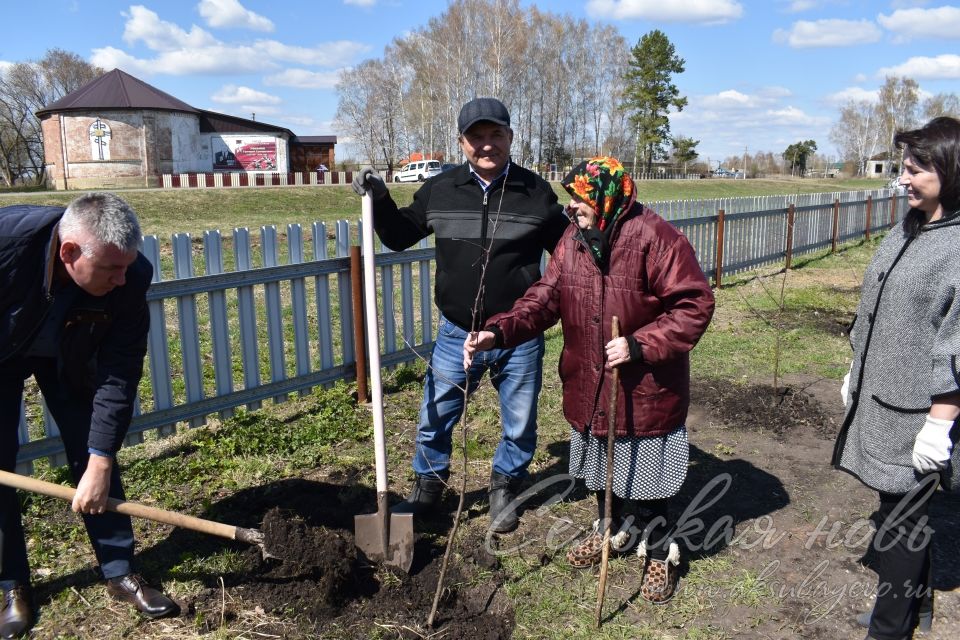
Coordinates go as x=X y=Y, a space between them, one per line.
x=845 y=388
x=932 y=448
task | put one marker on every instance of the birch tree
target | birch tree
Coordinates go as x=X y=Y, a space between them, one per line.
x=897 y=110
x=561 y=79
x=942 y=104
x=857 y=133
x=367 y=109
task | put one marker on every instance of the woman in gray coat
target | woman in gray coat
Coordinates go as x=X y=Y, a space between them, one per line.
x=903 y=390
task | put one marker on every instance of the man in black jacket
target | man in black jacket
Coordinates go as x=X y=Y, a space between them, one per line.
x=73 y=314
x=492 y=220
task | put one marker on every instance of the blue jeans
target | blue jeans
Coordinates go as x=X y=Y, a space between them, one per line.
x=110 y=533
x=516 y=374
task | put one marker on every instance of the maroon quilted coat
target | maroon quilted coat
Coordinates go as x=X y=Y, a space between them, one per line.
x=657 y=289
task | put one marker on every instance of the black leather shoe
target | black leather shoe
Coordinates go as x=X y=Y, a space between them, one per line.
x=424 y=496
x=148 y=601
x=17 y=614
x=503 y=509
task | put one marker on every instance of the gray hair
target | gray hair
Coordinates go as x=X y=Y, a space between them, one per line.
x=96 y=220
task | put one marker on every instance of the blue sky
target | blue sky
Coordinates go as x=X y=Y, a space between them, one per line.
x=760 y=74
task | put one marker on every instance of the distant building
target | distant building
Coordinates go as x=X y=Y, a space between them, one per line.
x=881 y=166
x=118 y=131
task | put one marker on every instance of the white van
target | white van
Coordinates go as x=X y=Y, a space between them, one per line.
x=417 y=171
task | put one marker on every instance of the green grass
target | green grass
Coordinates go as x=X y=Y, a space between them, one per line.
x=251 y=447
x=819 y=302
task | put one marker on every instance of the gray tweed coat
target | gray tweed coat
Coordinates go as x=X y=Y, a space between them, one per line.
x=906 y=343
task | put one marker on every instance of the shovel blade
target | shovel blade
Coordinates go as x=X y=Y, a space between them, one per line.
x=368 y=535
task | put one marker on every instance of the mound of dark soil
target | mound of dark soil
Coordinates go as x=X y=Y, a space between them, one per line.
x=328 y=588
x=762 y=408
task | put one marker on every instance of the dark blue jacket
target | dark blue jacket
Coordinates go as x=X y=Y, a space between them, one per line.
x=103 y=339
x=517 y=219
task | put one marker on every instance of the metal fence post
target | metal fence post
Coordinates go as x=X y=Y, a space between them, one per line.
x=836 y=225
x=893 y=208
x=789 y=236
x=866 y=231
x=718 y=274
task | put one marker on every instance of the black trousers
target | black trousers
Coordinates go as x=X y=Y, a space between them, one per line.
x=655 y=533
x=902 y=549
x=111 y=534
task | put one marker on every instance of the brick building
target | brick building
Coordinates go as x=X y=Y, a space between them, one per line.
x=118 y=131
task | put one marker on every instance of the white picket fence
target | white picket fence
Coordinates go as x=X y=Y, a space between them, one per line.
x=280 y=321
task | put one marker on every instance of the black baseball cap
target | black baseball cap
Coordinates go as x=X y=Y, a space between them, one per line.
x=479 y=109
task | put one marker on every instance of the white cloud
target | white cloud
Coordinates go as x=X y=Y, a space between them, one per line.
x=197 y=52
x=946 y=66
x=145 y=25
x=762 y=119
x=791 y=116
x=4 y=65
x=304 y=79
x=230 y=13
x=330 y=54
x=805 y=34
x=730 y=99
x=734 y=100
x=774 y=92
x=692 y=11
x=852 y=94
x=111 y=58
x=209 y=60
x=859 y=78
x=361 y=3
x=233 y=94
x=796 y=6
x=907 y=24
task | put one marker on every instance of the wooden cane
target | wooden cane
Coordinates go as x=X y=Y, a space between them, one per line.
x=608 y=488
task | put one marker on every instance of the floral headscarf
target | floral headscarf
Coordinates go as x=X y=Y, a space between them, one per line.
x=602 y=183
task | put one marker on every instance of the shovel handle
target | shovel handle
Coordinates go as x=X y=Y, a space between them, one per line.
x=135 y=509
x=373 y=342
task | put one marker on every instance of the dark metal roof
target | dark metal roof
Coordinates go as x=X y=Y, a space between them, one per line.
x=120 y=90
x=117 y=90
x=315 y=140
x=213 y=122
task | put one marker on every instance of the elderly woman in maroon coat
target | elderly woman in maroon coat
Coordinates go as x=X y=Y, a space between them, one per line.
x=619 y=259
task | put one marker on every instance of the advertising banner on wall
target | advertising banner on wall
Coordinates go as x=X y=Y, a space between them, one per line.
x=244 y=153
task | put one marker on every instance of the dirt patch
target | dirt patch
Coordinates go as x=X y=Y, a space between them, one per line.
x=803 y=528
x=322 y=586
x=765 y=409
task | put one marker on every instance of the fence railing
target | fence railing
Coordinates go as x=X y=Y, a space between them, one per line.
x=219 y=179
x=281 y=320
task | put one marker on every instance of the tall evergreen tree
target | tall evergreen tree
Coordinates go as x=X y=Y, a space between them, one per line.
x=650 y=92
x=684 y=151
x=797 y=155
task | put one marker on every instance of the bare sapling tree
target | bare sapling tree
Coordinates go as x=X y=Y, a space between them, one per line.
x=475 y=315
x=774 y=320
x=777 y=319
